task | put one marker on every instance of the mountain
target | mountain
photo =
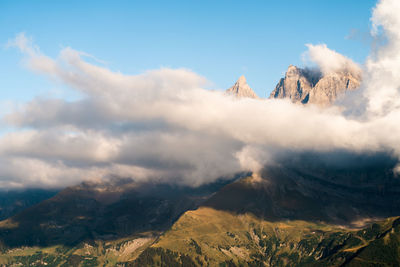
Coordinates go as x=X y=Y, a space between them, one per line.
x=14 y=201
x=209 y=237
x=334 y=208
x=311 y=86
x=102 y=211
x=339 y=188
x=241 y=89
x=296 y=85
x=306 y=210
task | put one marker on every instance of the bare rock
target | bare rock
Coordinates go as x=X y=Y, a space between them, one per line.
x=241 y=89
x=311 y=86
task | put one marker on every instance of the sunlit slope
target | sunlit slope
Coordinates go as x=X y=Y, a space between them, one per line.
x=208 y=237
x=95 y=253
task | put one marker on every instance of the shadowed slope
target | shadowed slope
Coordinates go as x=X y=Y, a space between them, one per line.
x=14 y=201
x=339 y=188
x=102 y=211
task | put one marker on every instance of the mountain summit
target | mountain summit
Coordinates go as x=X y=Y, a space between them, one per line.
x=312 y=86
x=241 y=89
x=296 y=85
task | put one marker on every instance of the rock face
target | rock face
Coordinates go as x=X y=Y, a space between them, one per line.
x=296 y=85
x=241 y=89
x=311 y=86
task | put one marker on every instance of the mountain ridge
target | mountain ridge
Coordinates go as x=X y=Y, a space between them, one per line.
x=303 y=85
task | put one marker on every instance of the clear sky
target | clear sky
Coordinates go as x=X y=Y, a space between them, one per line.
x=220 y=40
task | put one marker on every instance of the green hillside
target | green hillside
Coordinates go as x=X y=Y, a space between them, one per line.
x=96 y=253
x=208 y=237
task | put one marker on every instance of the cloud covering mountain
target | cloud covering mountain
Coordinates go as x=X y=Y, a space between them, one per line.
x=163 y=125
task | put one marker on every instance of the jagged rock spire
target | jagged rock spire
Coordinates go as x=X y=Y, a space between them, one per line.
x=241 y=89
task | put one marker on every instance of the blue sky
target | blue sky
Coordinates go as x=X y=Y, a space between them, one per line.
x=220 y=40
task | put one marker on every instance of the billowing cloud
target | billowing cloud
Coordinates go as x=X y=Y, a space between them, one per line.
x=328 y=60
x=383 y=65
x=163 y=125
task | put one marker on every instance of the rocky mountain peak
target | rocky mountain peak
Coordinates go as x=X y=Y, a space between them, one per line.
x=292 y=71
x=242 y=80
x=311 y=86
x=241 y=89
x=294 y=86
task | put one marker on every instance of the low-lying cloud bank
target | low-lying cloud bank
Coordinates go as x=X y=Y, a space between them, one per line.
x=163 y=125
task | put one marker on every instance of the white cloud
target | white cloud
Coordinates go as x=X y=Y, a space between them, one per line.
x=163 y=125
x=329 y=60
x=383 y=66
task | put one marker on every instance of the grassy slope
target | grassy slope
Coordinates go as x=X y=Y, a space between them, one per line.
x=209 y=237
x=212 y=237
x=98 y=253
